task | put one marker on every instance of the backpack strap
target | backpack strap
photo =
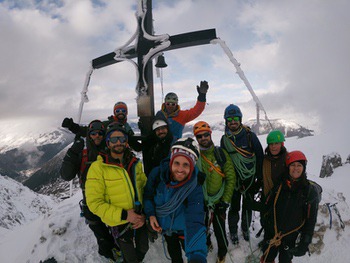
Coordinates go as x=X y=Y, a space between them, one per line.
x=220 y=157
x=83 y=164
x=249 y=135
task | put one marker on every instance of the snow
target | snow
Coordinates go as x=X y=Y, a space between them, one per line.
x=63 y=234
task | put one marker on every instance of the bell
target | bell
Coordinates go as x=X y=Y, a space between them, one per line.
x=161 y=62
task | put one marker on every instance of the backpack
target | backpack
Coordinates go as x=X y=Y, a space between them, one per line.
x=317 y=188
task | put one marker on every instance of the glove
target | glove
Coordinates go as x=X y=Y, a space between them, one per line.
x=71 y=125
x=302 y=247
x=152 y=235
x=203 y=87
x=67 y=123
x=77 y=146
x=300 y=250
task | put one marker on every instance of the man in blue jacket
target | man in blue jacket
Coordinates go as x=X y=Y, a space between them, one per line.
x=174 y=203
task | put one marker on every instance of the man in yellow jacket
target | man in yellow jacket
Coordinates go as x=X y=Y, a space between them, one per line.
x=114 y=190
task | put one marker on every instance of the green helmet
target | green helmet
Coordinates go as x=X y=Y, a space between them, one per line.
x=275 y=137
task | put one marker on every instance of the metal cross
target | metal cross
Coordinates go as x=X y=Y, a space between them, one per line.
x=149 y=46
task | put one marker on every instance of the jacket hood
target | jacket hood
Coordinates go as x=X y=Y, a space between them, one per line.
x=175 y=113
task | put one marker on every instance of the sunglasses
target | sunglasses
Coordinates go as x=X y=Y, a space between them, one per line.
x=93 y=133
x=199 y=136
x=115 y=139
x=229 y=119
x=170 y=104
x=120 y=110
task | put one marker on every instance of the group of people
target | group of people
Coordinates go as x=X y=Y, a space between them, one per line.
x=184 y=185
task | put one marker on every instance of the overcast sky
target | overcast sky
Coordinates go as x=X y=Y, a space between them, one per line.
x=295 y=54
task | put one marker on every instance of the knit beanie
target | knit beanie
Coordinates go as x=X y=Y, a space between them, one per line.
x=118 y=106
x=191 y=158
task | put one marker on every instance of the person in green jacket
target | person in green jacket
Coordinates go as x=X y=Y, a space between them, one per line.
x=114 y=191
x=218 y=186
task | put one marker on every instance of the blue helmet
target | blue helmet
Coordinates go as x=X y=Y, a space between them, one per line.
x=232 y=111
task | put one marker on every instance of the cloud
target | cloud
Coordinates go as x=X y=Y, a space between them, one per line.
x=294 y=53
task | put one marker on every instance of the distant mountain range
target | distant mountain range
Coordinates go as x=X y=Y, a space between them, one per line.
x=35 y=160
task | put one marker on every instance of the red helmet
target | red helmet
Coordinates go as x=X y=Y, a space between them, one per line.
x=295 y=156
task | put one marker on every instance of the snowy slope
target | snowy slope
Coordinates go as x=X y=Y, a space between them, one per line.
x=19 y=205
x=63 y=234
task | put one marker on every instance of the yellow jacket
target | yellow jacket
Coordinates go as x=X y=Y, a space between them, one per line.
x=109 y=190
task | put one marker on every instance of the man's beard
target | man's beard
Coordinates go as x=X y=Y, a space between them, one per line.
x=118 y=149
x=206 y=145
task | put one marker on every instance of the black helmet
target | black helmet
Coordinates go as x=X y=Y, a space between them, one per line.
x=96 y=125
x=116 y=126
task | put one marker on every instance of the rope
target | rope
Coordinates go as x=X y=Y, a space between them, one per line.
x=241 y=160
x=277 y=239
x=217 y=169
x=176 y=200
x=212 y=200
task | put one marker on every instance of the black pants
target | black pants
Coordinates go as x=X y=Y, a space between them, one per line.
x=104 y=239
x=218 y=221
x=233 y=213
x=133 y=252
x=174 y=245
x=283 y=255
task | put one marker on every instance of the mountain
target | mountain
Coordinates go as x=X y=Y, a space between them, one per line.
x=22 y=154
x=288 y=128
x=47 y=179
x=19 y=205
x=61 y=232
x=35 y=160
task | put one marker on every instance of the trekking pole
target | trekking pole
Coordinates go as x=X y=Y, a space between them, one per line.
x=328 y=205
x=342 y=225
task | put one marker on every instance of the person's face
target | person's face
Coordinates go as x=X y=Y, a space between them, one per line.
x=204 y=139
x=295 y=170
x=120 y=113
x=233 y=123
x=170 y=107
x=117 y=142
x=180 y=168
x=97 y=137
x=275 y=148
x=161 y=132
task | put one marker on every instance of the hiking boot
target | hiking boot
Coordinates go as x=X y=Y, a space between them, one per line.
x=234 y=238
x=220 y=259
x=246 y=235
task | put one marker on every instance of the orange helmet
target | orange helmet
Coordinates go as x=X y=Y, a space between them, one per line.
x=200 y=127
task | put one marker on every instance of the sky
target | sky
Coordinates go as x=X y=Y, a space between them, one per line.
x=295 y=55
x=61 y=233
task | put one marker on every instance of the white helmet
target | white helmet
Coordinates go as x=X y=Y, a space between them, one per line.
x=158 y=123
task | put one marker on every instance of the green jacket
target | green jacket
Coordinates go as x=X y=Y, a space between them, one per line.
x=109 y=190
x=214 y=181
